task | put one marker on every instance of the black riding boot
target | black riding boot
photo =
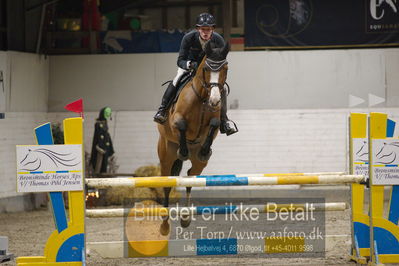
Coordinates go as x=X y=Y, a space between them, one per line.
x=224 y=120
x=160 y=116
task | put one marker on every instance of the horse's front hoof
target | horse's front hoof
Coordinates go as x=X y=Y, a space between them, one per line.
x=182 y=157
x=165 y=228
x=185 y=221
x=204 y=158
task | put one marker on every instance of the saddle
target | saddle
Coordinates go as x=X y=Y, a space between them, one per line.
x=181 y=83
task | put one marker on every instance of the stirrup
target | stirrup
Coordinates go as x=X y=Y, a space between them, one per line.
x=160 y=117
x=226 y=129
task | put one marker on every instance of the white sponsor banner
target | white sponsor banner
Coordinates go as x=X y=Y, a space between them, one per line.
x=385 y=160
x=45 y=168
x=360 y=156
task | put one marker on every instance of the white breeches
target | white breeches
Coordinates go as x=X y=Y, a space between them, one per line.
x=180 y=72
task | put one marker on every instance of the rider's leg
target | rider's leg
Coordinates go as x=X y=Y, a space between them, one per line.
x=168 y=96
x=224 y=120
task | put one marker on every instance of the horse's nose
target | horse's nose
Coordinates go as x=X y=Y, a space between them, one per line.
x=214 y=98
x=215 y=103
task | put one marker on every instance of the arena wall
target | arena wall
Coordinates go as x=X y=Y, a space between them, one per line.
x=259 y=80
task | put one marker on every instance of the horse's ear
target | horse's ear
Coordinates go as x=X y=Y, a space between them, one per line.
x=225 y=49
x=208 y=48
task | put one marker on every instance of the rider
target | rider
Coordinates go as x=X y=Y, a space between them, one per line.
x=190 y=56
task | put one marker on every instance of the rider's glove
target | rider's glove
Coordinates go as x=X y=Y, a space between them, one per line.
x=193 y=65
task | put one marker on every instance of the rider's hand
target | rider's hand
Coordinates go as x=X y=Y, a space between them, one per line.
x=193 y=65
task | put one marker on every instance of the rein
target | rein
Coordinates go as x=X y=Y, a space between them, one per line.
x=203 y=100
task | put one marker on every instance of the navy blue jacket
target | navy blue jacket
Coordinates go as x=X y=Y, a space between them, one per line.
x=191 y=50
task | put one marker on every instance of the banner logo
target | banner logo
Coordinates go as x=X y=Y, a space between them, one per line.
x=377 y=10
x=383 y=16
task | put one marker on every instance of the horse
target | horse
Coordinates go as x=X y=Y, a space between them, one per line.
x=193 y=122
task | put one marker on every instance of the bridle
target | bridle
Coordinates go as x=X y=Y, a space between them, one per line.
x=214 y=66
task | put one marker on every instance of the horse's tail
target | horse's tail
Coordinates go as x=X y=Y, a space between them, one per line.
x=176 y=167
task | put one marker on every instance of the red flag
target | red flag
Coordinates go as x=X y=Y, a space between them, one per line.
x=76 y=106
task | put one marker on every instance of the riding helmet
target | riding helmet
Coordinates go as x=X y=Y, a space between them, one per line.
x=205 y=20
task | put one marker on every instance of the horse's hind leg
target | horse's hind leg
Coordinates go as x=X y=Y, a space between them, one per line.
x=196 y=169
x=205 y=152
